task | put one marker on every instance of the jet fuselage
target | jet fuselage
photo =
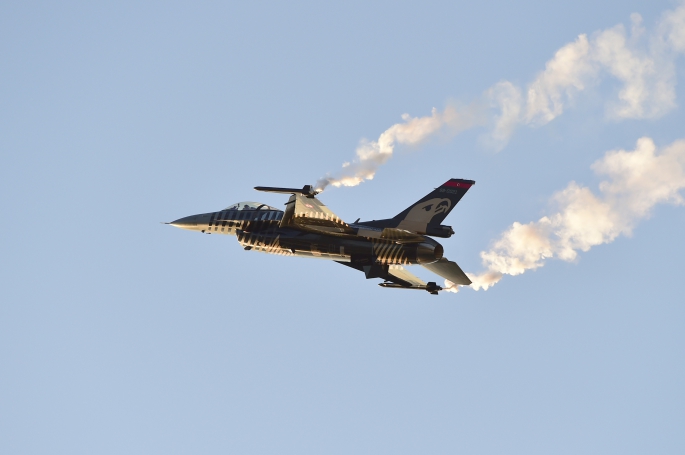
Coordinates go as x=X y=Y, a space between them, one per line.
x=258 y=230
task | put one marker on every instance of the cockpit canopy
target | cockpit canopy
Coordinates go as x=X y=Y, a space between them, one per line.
x=249 y=205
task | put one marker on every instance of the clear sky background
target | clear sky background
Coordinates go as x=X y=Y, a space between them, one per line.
x=122 y=335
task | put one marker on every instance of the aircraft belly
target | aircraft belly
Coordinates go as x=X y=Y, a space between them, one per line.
x=330 y=257
x=284 y=246
x=290 y=242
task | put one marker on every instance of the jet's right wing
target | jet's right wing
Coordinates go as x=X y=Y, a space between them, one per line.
x=449 y=270
x=305 y=212
x=310 y=214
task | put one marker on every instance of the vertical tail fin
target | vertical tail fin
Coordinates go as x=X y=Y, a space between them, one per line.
x=432 y=209
x=427 y=214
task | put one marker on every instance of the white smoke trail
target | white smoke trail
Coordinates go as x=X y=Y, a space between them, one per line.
x=450 y=287
x=643 y=64
x=636 y=181
x=413 y=131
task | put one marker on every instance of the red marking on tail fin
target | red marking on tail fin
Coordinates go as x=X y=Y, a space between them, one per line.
x=457 y=184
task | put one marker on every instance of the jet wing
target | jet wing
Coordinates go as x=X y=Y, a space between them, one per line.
x=396 y=274
x=307 y=213
x=449 y=270
x=402 y=274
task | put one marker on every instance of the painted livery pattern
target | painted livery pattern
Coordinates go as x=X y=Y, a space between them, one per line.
x=307 y=228
x=388 y=252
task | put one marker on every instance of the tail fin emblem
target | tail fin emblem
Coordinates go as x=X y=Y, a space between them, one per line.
x=425 y=212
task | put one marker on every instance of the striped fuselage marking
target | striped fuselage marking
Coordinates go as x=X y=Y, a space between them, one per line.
x=389 y=252
x=260 y=232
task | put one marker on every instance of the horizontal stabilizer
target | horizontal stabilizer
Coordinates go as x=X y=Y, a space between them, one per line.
x=449 y=270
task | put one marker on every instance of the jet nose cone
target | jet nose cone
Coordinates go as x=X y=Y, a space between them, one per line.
x=188 y=222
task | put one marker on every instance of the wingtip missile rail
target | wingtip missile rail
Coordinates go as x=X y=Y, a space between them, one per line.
x=431 y=287
x=307 y=190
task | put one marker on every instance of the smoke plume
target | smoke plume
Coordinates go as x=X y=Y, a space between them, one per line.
x=643 y=64
x=412 y=131
x=635 y=182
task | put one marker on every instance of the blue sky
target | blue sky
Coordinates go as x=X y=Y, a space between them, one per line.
x=118 y=334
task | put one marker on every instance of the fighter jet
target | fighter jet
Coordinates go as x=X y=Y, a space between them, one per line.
x=378 y=248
